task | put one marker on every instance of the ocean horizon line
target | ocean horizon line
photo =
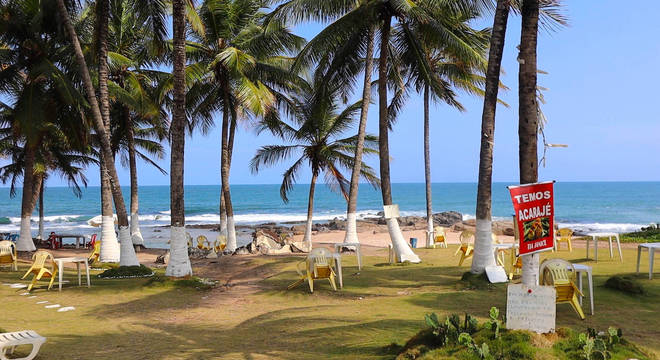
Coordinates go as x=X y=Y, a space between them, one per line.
x=365 y=183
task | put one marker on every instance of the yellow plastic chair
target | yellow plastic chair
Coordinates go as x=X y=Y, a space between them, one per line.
x=556 y=272
x=565 y=235
x=467 y=246
x=318 y=265
x=8 y=255
x=95 y=254
x=39 y=269
x=220 y=243
x=516 y=264
x=439 y=237
x=203 y=243
x=189 y=238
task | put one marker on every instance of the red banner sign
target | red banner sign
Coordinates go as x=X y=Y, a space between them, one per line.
x=534 y=207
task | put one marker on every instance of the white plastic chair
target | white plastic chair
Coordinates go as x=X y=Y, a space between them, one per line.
x=9 y=341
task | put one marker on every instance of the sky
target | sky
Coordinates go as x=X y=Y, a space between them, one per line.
x=601 y=102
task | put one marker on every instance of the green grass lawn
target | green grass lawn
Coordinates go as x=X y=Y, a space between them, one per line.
x=380 y=305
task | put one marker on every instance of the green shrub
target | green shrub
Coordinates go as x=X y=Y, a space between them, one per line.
x=458 y=338
x=123 y=272
x=625 y=284
x=647 y=234
x=472 y=281
x=193 y=282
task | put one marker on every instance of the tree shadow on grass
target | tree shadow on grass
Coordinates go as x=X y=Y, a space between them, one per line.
x=376 y=280
x=283 y=334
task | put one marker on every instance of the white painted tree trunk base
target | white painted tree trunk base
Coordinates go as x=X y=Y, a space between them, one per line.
x=351 y=229
x=530 y=270
x=483 y=247
x=25 y=242
x=223 y=225
x=307 y=239
x=179 y=262
x=429 y=232
x=231 y=234
x=127 y=256
x=136 y=234
x=401 y=249
x=109 y=244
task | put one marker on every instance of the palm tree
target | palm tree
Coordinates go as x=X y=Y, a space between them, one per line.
x=241 y=60
x=351 y=208
x=345 y=48
x=137 y=114
x=152 y=14
x=549 y=11
x=45 y=104
x=528 y=126
x=318 y=124
x=443 y=69
x=483 y=242
x=179 y=264
x=55 y=156
x=127 y=254
x=110 y=249
x=338 y=47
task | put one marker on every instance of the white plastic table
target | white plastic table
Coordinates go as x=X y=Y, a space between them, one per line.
x=609 y=236
x=77 y=260
x=338 y=246
x=337 y=258
x=580 y=269
x=651 y=249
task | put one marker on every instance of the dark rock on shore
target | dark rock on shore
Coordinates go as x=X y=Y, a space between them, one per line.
x=447 y=218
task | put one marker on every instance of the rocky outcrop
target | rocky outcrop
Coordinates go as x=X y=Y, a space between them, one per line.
x=266 y=242
x=447 y=218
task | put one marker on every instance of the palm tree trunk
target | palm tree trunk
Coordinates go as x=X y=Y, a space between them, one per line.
x=307 y=240
x=128 y=253
x=136 y=234
x=40 y=236
x=224 y=173
x=427 y=169
x=28 y=200
x=402 y=250
x=528 y=117
x=109 y=244
x=223 y=213
x=179 y=264
x=351 y=211
x=483 y=246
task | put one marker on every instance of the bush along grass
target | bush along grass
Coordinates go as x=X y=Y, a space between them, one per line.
x=192 y=282
x=625 y=284
x=466 y=339
x=124 y=272
x=470 y=281
x=647 y=234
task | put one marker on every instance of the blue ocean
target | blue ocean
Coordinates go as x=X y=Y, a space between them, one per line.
x=606 y=206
